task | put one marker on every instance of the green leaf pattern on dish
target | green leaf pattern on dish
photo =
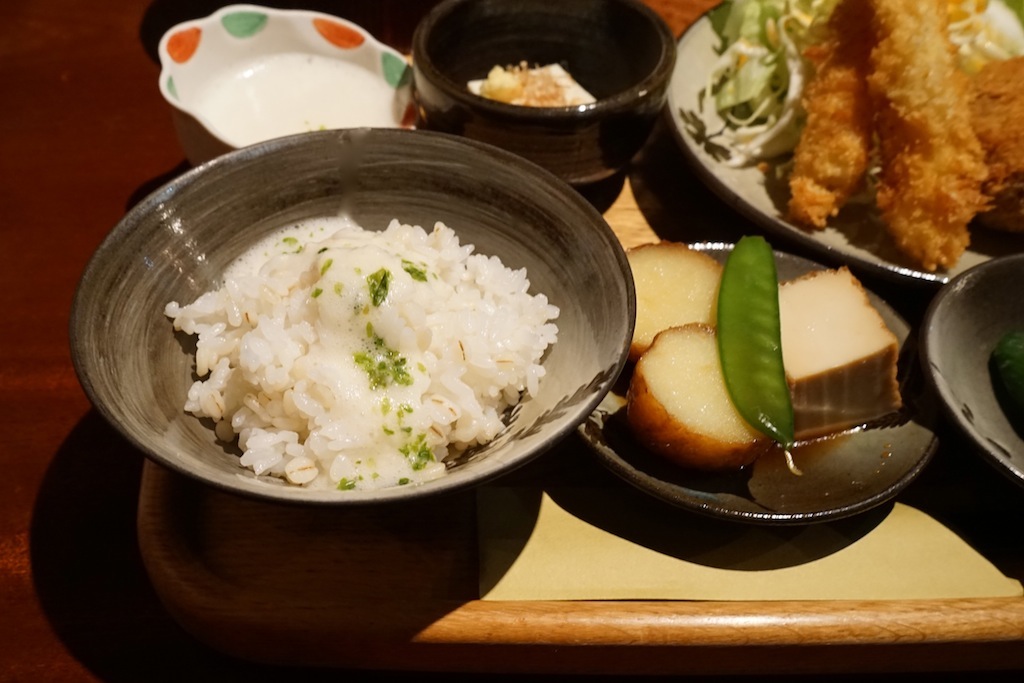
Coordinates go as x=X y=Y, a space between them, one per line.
x=244 y=24
x=395 y=69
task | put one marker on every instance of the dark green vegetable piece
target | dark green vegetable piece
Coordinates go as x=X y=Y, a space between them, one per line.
x=1008 y=364
x=379 y=283
x=750 y=340
x=382 y=364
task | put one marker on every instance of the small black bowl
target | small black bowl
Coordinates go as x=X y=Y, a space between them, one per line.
x=962 y=326
x=621 y=51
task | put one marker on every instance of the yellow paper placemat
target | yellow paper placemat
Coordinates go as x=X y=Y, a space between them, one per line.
x=575 y=544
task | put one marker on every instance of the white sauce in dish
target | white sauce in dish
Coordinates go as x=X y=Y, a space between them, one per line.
x=292 y=93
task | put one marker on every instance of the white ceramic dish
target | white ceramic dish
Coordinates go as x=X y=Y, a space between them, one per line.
x=842 y=475
x=856 y=237
x=246 y=74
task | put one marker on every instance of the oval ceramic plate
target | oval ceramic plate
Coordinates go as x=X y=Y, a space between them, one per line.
x=962 y=326
x=842 y=475
x=855 y=237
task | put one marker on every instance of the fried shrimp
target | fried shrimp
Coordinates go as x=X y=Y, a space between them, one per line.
x=933 y=166
x=832 y=156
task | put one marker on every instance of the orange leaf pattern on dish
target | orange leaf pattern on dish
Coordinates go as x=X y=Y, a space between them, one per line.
x=339 y=35
x=183 y=44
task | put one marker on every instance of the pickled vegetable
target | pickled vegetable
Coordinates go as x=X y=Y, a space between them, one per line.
x=1008 y=365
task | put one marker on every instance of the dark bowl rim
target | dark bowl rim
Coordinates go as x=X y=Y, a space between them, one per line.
x=653 y=86
x=937 y=308
x=130 y=219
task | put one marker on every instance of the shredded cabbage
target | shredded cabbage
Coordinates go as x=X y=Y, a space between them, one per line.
x=985 y=31
x=758 y=79
x=757 y=82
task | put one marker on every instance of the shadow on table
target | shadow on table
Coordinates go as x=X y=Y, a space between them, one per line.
x=92 y=585
x=94 y=590
x=86 y=567
x=578 y=483
x=676 y=204
x=153 y=184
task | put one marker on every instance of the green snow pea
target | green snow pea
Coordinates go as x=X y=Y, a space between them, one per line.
x=750 y=340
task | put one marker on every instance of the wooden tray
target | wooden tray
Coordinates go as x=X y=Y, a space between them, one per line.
x=396 y=588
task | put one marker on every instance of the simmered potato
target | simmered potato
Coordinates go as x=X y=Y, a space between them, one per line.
x=678 y=405
x=675 y=285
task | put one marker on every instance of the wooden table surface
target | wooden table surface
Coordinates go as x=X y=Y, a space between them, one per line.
x=84 y=135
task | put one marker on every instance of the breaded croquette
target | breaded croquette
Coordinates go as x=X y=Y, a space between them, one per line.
x=932 y=165
x=832 y=156
x=997 y=111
